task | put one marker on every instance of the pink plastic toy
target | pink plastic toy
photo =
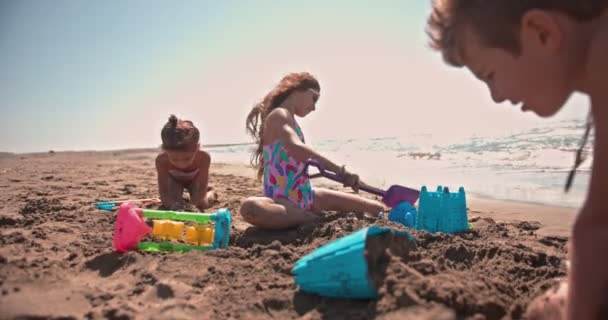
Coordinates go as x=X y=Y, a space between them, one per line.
x=130 y=228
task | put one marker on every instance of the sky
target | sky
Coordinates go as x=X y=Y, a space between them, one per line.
x=100 y=75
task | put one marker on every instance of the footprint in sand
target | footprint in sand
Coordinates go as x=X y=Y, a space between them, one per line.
x=164 y=291
x=108 y=263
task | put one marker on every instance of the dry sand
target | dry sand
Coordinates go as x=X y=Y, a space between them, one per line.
x=56 y=258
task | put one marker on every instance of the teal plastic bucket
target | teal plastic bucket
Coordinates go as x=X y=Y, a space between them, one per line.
x=339 y=269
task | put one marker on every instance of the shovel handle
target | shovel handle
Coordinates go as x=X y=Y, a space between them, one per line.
x=322 y=171
x=335 y=177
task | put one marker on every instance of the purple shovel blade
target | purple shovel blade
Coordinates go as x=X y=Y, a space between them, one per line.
x=397 y=194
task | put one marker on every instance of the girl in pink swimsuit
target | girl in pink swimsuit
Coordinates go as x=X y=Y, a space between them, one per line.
x=289 y=198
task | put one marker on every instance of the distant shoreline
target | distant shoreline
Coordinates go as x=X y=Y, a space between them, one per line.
x=127 y=150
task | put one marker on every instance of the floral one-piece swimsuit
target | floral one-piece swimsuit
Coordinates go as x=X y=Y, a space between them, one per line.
x=285 y=177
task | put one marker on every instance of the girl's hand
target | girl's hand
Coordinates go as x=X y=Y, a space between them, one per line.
x=350 y=179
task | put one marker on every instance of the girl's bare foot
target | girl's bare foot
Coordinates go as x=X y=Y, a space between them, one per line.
x=212 y=197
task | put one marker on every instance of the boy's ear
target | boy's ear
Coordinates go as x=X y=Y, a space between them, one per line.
x=540 y=30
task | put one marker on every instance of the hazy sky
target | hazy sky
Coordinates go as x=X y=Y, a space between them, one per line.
x=80 y=75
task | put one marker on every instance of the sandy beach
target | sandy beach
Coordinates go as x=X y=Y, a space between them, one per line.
x=57 y=260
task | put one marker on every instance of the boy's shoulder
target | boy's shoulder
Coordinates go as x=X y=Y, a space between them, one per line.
x=597 y=74
x=597 y=64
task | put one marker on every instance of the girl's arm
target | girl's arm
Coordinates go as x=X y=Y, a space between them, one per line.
x=279 y=124
x=203 y=178
x=162 y=172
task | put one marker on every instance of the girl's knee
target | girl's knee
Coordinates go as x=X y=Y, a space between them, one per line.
x=250 y=209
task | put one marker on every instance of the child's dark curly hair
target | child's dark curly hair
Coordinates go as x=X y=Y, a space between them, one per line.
x=179 y=135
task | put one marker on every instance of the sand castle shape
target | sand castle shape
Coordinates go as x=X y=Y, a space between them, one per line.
x=442 y=211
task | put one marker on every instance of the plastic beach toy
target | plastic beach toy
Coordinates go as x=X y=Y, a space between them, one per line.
x=391 y=197
x=131 y=228
x=339 y=269
x=404 y=213
x=111 y=205
x=442 y=211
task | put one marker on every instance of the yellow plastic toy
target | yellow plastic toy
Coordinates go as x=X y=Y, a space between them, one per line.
x=168 y=230
x=174 y=230
x=199 y=235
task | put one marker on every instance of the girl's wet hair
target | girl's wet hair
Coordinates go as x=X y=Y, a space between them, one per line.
x=179 y=135
x=257 y=116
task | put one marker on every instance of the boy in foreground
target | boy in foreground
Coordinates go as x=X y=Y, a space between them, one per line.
x=535 y=54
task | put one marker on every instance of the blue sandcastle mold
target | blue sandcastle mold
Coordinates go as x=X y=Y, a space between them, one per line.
x=339 y=269
x=442 y=211
x=222 y=221
x=404 y=213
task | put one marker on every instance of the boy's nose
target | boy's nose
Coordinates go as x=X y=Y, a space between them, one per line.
x=496 y=96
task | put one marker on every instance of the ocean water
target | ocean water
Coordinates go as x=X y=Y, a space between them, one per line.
x=529 y=165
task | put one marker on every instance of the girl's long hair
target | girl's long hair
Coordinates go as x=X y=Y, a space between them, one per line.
x=259 y=112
